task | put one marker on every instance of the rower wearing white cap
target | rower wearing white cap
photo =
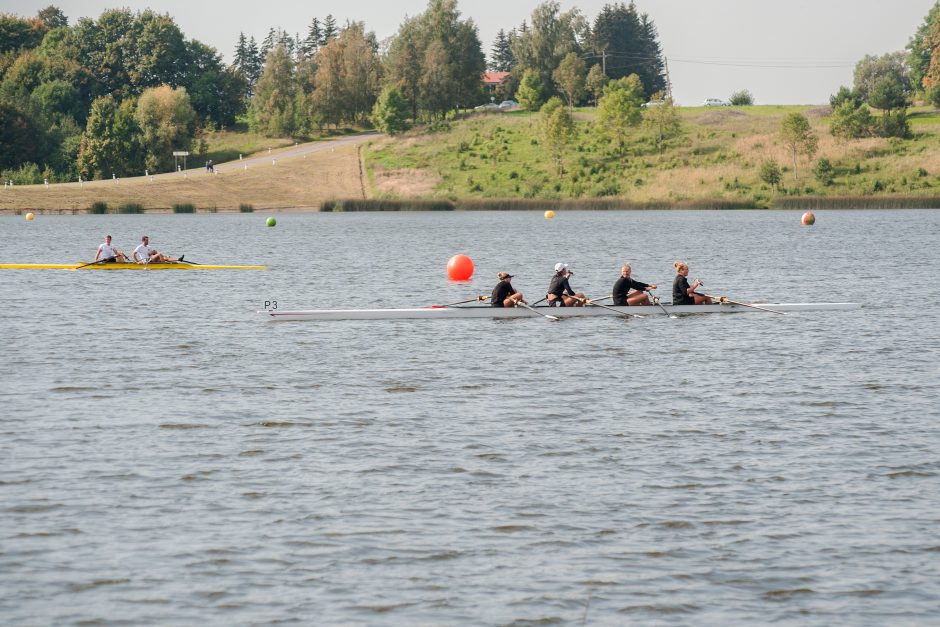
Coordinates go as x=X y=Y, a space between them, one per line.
x=504 y=294
x=560 y=292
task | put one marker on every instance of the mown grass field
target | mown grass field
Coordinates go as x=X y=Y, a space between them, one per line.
x=296 y=182
x=716 y=160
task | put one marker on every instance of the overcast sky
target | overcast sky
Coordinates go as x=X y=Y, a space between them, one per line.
x=783 y=52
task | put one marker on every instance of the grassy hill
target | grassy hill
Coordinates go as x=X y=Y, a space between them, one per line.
x=491 y=158
x=283 y=178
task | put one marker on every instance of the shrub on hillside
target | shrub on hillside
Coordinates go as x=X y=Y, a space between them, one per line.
x=824 y=172
x=741 y=98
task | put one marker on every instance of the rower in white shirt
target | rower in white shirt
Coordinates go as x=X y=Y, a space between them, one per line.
x=145 y=254
x=107 y=253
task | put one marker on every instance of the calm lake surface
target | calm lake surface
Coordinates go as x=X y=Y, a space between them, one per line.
x=168 y=457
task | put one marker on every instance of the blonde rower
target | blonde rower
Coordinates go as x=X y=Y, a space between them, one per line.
x=682 y=292
x=623 y=286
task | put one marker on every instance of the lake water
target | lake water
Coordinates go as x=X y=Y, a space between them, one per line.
x=168 y=457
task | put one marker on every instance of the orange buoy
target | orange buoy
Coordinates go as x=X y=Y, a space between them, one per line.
x=809 y=219
x=549 y=214
x=460 y=268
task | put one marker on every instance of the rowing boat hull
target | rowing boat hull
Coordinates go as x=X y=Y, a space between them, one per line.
x=452 y=313
x=122 y=266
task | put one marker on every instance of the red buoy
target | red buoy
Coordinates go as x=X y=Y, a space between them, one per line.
x=809 y=219
x=460 y=268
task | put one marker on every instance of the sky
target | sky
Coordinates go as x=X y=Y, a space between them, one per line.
x=783 y=52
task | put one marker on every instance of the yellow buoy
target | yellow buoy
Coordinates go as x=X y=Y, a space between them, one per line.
x=29 y=217
x=549 y=214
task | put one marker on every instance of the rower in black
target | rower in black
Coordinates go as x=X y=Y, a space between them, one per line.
x=623 y=286
x=504 y=295
x=680 y=291
x=560 y=293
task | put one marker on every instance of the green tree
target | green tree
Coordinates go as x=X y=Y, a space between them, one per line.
x=629 y=44
x=798 y=137
x=390 y=113
x=663 y=119
x=501 y=57
x=548 y=39
x=824 y=172
x=53 y=17
x=922 y=47
x=436 y=60
x=870 y=70
x=18 y=137
x=99 y=154
x=851 y=121
x=362 y=72
x=405 y=62
x=272 y=107
x=311 y=43
x=328 y=31
x=167 y=123
x=845 y=95
x=531 y=93
x=569 y=77
x=328 y=98
x=619 y=109
x=17 y=33
x=557 y=130
x=742 y=98
x=770 y=173
x=596 y=82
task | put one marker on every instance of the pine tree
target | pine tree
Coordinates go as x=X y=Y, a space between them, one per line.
x=241 y=54
x=312 y=42
x=502 y=59
x=253 y=64
x=329 y=31
x=268 y=43
x=628 y=43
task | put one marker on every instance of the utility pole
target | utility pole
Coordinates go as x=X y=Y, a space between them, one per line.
x=604 y=61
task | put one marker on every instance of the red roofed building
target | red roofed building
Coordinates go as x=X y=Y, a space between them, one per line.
x=493 y=80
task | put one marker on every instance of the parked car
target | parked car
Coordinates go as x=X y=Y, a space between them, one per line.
x=489 y=106
x=654 y=103
x=506 y=105
x=716 y=102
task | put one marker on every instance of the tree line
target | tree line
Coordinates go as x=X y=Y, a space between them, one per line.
x=114 y=96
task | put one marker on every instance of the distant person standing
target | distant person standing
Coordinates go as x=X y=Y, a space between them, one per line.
x=108 y=254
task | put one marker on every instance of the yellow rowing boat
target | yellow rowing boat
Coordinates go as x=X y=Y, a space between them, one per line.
x=183 y=265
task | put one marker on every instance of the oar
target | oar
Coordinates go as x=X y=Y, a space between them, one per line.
x=616 y=311
x=539 y=301
x=464 y=302
x=105 y=260
x=532 y=309
x=656 y=302
x=723 y=299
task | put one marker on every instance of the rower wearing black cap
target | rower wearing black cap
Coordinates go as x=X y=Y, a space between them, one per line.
x=504 y=295
x=560 y=292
